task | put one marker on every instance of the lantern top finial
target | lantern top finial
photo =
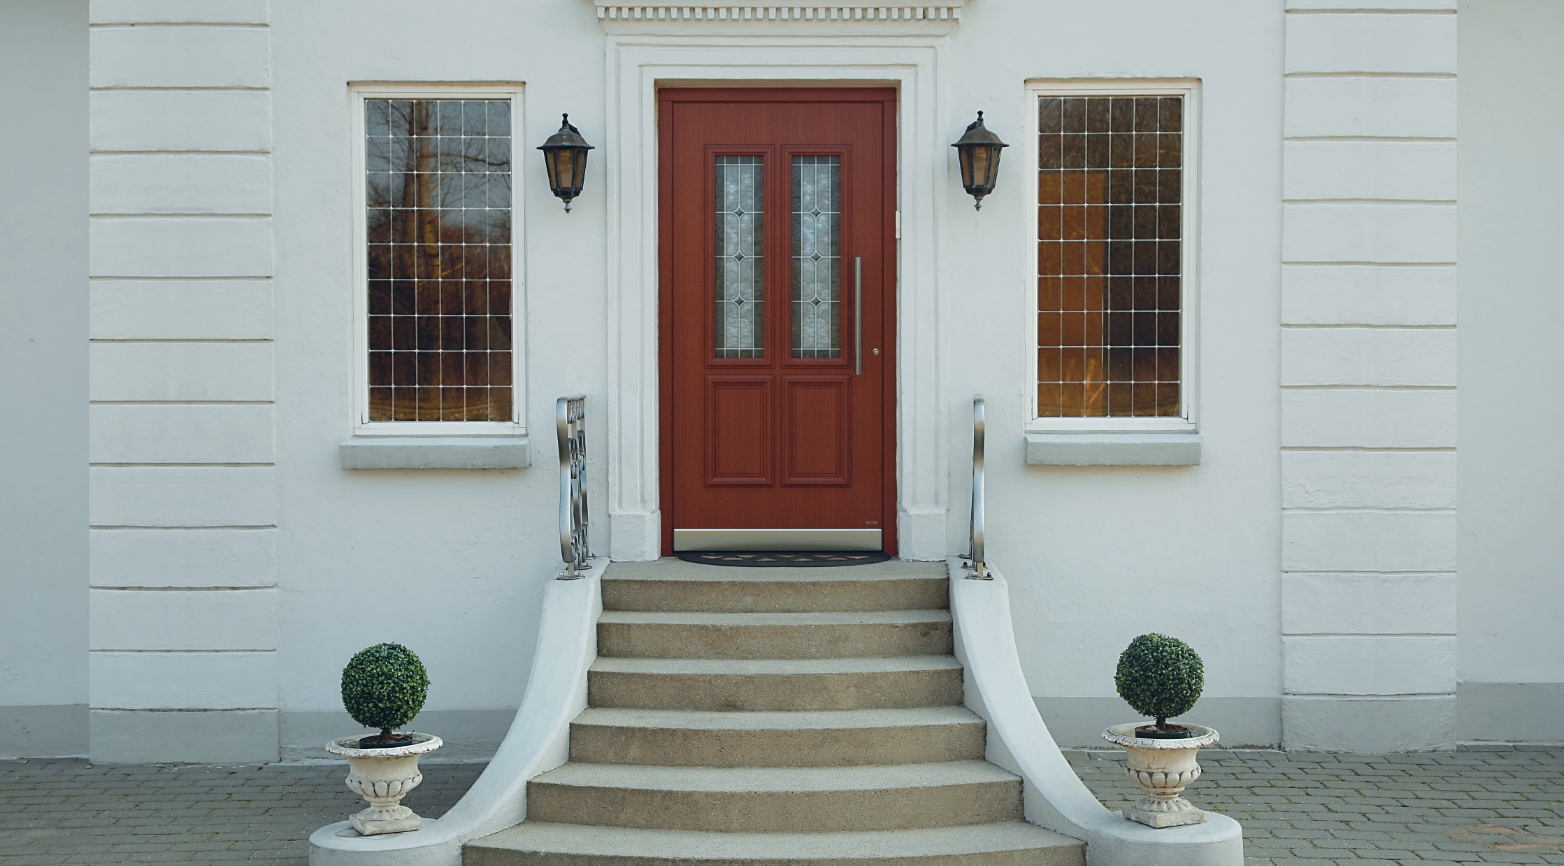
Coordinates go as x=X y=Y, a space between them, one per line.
x=567 y=136
x=978 y=135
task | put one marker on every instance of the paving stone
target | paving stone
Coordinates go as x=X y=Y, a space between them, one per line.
x=1311 y=808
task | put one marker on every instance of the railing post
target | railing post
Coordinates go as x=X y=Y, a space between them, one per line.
x=570 y=428
x=979 y=569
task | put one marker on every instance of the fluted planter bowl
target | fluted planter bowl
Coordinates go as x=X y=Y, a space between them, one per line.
x=1162 y=768
x=383 y=777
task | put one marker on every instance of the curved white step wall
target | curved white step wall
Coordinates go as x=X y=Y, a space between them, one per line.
x=538 y=740
x=1018 y=740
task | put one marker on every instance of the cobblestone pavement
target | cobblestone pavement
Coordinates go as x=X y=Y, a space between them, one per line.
x=1460 y=807
x=1445 y=807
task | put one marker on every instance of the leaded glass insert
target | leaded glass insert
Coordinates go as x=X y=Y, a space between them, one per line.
x=741 y=247
x=438 y=194
x=817 y=256
x=1109 y=235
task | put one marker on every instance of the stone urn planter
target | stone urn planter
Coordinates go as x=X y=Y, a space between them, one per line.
x=384 y=687
x=1161 y=677
x=1162 y=768
x=383 y=777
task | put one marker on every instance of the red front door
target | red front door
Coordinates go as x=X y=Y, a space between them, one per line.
x=777 y=286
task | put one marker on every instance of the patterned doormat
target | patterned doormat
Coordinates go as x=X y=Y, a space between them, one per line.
x=792 y=558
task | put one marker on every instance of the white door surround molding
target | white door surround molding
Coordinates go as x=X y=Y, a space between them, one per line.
x=636 y=67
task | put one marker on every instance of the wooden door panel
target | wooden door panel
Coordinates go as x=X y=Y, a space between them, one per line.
x=739 y=436
x=818 y=430
x=761 y=430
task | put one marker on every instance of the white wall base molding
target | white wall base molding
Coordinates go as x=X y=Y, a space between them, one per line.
x=634 y=536
x=183 y=736
x=468 y=735
x=1368 y=725
x=1245 y=722
x=1509 y=713
x=47 y=731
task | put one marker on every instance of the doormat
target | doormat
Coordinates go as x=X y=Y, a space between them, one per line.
x=788 y=559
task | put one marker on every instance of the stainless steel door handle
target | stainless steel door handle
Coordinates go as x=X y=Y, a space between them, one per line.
x=858 y=313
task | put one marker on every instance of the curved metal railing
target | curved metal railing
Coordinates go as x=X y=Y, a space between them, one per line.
x=979 y=569
x=570 y=425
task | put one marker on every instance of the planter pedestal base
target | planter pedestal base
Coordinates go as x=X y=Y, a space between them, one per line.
x=1165 y=813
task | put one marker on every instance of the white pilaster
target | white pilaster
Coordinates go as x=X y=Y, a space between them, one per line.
x=183 y=481
x=1368 y=376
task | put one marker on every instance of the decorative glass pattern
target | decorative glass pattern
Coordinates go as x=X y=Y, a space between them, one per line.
x=817 y=256
x=438 y=190
x=741 y=256
x=1108 y=255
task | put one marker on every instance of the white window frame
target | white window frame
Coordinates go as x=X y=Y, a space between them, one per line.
x=1189 y=247
x=362 y=426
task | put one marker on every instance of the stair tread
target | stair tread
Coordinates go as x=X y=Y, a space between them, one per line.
x=698 y=845
x=679 y=570
x=775 y=779
x=865 y=617
x=764 y=720
x=760 y=667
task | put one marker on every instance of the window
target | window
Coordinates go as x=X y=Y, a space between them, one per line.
x=440 y=312
x=1113 y=255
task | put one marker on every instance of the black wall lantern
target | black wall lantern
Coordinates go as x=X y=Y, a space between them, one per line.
x=979 y=153
x=565 y=156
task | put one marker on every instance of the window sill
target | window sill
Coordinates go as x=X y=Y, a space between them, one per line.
x=436 y=452
x=1112 y=448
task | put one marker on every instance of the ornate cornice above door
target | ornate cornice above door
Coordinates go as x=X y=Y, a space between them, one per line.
x=756 y=16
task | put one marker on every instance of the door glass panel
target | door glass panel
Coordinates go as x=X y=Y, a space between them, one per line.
x=741 y=247
x=817 y=256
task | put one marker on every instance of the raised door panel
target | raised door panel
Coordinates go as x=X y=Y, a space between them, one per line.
x=818 y=427
x=739 y=436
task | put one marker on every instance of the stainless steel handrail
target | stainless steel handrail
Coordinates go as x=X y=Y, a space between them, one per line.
x=570 y=425
x=979 y=570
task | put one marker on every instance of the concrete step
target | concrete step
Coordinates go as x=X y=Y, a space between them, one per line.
x=1007 y=844
x=638 y=634
x=775 y=684
x=771 y=739
x=674 y=585
x=776 y=799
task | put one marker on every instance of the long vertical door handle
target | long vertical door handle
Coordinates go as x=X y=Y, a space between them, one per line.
x=858 y=313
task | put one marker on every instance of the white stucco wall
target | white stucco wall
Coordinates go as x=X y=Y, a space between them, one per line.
x=1083 y=547
x=451 y=563
x=43 y=332
x=1512 y=306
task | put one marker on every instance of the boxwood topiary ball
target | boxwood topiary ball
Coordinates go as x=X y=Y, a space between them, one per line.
x=1160 y=676
x=384 y=686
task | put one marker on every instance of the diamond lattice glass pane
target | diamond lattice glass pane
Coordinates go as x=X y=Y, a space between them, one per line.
x=741 y=246
x=438 y=187
x=817 y=256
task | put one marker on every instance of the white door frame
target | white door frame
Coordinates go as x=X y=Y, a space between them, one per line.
x=636 y=66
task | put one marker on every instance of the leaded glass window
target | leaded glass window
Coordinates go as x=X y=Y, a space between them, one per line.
x=817 y=256
x=740 y=257
x=1109 y=258
x=438 y=198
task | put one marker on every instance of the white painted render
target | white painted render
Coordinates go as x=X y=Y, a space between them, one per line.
x=235 y=565
x=1511 y=470
x=1368 y=401
x=43 y=379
